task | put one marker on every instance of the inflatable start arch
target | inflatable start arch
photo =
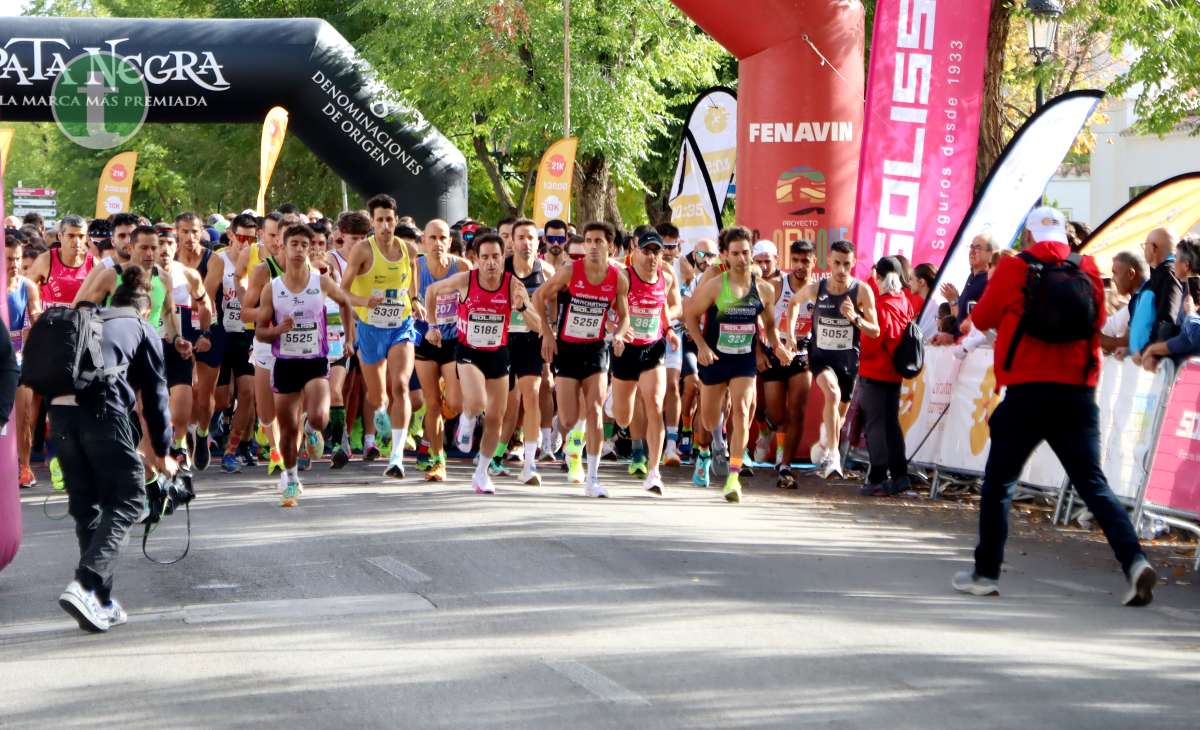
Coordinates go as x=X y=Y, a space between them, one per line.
x=204 y=71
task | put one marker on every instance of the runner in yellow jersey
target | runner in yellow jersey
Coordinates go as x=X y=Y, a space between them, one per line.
x=380 y=278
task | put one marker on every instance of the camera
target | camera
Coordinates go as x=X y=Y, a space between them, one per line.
x=165 y=495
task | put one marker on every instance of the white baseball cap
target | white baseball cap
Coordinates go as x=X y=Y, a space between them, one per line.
x=764 y=248
x=1047 y=224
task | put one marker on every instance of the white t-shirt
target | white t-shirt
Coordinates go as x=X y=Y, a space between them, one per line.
x=1117 y=324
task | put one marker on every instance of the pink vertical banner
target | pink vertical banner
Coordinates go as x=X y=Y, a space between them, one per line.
x=924 y=96
x=1172 y=482
x=10 y=497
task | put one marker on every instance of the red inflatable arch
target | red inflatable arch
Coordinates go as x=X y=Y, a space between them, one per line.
x=800 y=112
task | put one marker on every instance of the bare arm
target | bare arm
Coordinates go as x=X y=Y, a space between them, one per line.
x=200 y=300
x=96 y=288
x=334 y=292
x=767 y=290
x=34 y=305
x=212 y=280
x=703 y=298
x=519 y=297
x=458 y=284
x=354 y=267
x=547 y=295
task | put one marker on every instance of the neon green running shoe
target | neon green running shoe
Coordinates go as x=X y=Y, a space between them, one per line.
x=733 y=488
x=639 y=466
x=56 y=475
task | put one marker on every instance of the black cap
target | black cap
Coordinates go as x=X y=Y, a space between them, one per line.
x=99 y=228
x=650 y=238
x=407 y=232
x=887 y=265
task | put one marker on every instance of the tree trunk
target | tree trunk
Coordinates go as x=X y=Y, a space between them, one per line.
x=991 y=123
x=495 y=175
x=592 y=183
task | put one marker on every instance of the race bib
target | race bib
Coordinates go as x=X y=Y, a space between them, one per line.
x=335 y=336
x=735 y=338
x=390 y=313
x=446 y=309
x=485 y=331
x=194 y=316
x=834 y=334
x=231 y=314
x=300 y=340
x=645 y=322
x=585 y=321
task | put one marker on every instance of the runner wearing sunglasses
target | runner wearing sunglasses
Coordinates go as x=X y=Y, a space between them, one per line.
x=557 y=239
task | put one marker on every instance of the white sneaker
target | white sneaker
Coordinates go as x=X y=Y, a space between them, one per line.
x=485 y=486
x=967 y=582
x=1142 y=580
x=653 y=483
x=530 y=476
x=84 y=608
x=283 y=481
x=832 y=465
x=670 y=455
x=609 y=447
x=594 y=489
x=465 y=434
x=762 y=447
x=115 y=613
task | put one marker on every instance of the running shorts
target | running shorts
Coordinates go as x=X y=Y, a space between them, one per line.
x=637 y=359
x=373 y=342
x=581 y=360
x=236 y=360
x=841 y=369
x=443 y=354
x=492 y=363
x=290 y=376
x=179 y=370
x=525 y=354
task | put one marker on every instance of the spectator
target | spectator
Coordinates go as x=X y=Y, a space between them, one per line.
x=980 y=257
x=1187 y=342
x=921 y=284
x=1077 y=234
x=1155 y=311
x=1128 y=275
x=1050 y=396
x=879 y=383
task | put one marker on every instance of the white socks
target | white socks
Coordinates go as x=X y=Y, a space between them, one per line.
x=593 y=467
x=530 y=452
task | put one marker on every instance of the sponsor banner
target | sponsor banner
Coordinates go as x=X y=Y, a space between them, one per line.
x=116 y=185
x=922 y=402
x=274 y=132
x=1013 y=187
x=1128 y=398
x=704 y=173
x=921 y=134
x=1172 y=482
x=965 y=437
x=10 y=499
x=1173 y=204
x=556 y=171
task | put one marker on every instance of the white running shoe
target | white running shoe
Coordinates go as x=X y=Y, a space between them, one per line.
x=608 y=447
x=653 y=483
x=762 y=447
x=485 y=486
x=830 y=466
x=594 y=489
x=671 y=455
x=530 y=476
x=465 y=434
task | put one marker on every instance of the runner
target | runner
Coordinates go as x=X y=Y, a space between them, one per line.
x=489 y=295
x=323 y=260
x=123 y=225
x=556 y=244
x=528 y=367
x=786 y=387
x=585 y=291
x=24 y=306
x=691 y=269
x=435 y=363
x=260 y=264
x=352 y=228
x=194 y=316
x=379 y=279
x=60 y=272
x=505 y=229
x=639 y=363
x=840 y=307
x=672 y=401
x=291 y=318
x=235 y=376
x=195 y=256
x=733 y=305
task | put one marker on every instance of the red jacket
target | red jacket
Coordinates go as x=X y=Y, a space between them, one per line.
x=875 y=361
x=1035 y=361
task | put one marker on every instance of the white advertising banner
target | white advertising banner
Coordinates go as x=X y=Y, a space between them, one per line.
x=966 y=438
x=922 y=401
x=704 y=172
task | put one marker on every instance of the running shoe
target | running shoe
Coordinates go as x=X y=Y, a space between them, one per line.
x=485 y=486
x=530 y=476
x=685 y=443
x=747 y=471
x=496 y=468
x=785 y=478
x=653 y=483
x=339 y=459
x=230 y=464
x=733 y=489
x=575 y=471
x=425 y=462
x=27 y=478
x=967 y=581
x=201 y=453
x=246 y=455
x=720 y=462
x=291 y=494
x=595 y=489
x=671 y=455
x=639 y=467
x=371 y=453
x=395 y=468
x=316 y=445
x=464 y=435
x=762 y=447
x=56 y=475
x=609 y=448
x=383 y=422
x=115 y=614
x=703 y=464
x=436 y=471
x=1142 y=580
x=574 y=443
x=275 y=463
x=303 y=460
x=83 y=607
x=831 y=465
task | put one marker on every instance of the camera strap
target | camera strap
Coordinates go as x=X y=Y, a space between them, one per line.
x=150 y=526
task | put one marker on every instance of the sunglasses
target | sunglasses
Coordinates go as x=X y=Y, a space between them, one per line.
x=245 y=238
x=652 y=251
x=577 y=256
x=670 y=246
x=701 y=254
x=560 y=240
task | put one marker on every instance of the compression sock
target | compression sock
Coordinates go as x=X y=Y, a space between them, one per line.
x=368 y=441
x=637 y=449
x=673 y=434
x=547 y=439
x=337 y=423
x=501 y=450
x=530 y=452
x=593 y=467
x=780 y=437
x=735 y=464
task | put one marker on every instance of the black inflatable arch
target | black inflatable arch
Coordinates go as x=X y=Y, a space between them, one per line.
x=200 y=71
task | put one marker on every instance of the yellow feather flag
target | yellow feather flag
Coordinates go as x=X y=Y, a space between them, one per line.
x=116 y=185
x=274 y=131
x=552 y=197
x=6 y=137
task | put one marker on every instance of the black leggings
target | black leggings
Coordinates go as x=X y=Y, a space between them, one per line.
x=879 y=402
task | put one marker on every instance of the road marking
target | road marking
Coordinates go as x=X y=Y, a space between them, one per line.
x=1177 y=613
x=595 y=682
x=215 y=586
x=306 y=608
x=1071 y=586
x=397 y=569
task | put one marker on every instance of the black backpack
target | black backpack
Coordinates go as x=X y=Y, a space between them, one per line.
x=63 y=354
x=1060 y=304
x=909 y=355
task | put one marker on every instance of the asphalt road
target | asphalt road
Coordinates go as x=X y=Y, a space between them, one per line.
x=404 y=604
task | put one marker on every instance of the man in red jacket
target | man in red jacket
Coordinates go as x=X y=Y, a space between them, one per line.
x=1050 y=396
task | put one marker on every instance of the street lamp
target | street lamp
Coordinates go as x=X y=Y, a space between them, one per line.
x=1044 y=16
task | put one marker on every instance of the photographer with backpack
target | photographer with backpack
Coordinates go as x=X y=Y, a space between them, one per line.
x=1047 y=306
x=96 y=431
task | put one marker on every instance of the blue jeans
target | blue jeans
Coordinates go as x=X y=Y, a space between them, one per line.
x=1067 y=418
